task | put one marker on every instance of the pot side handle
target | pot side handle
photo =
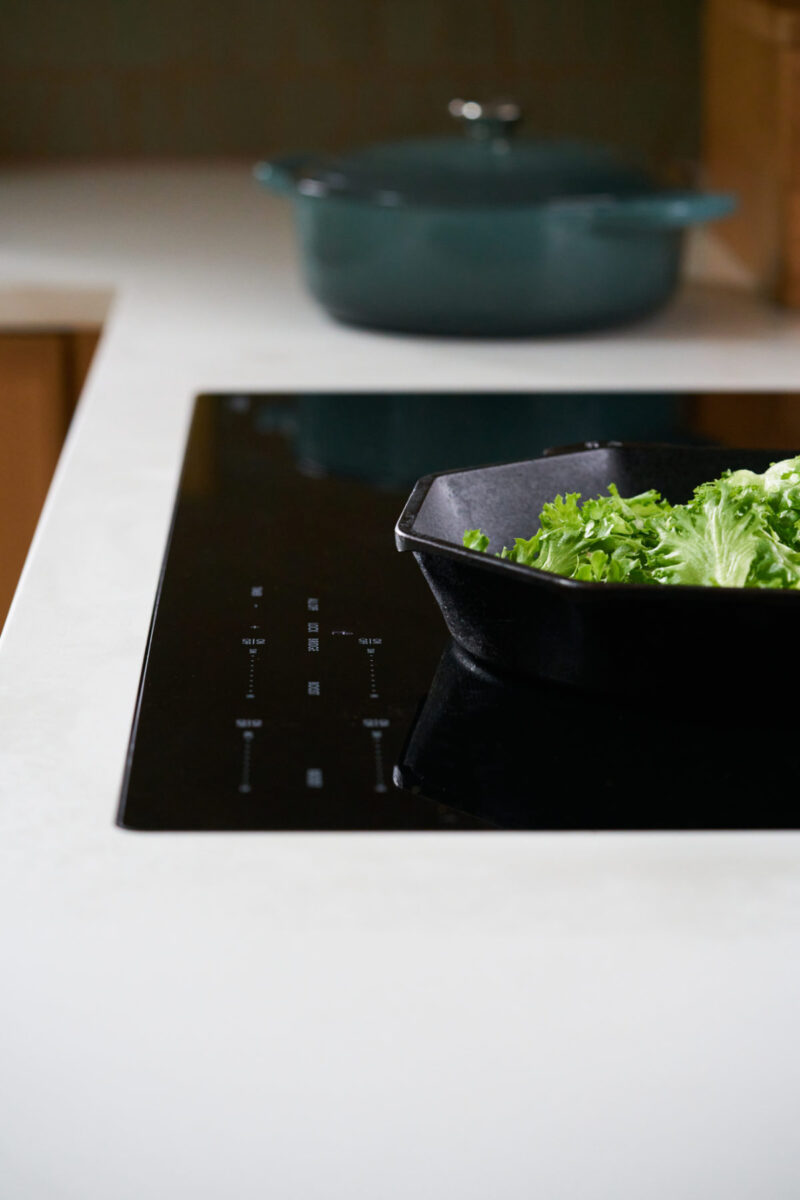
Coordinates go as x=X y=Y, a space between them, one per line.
x=661 y=210
x=280 y=174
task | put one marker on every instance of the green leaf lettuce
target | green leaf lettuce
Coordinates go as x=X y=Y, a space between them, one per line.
x=741 y=530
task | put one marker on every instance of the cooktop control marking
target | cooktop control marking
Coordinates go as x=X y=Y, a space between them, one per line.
x=376 y=726
x=252 y=644
x=380 y=780
x=313 y=687
x=247 y=738
x=314 y=778
x=370 y=644
x=247 y=726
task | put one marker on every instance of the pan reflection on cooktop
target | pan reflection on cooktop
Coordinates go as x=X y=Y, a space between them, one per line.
x=521 y=754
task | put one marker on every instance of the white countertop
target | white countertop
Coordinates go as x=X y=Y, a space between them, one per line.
x=325 y=1016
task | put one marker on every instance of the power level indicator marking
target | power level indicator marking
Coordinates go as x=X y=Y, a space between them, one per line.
x=250 y=694
x=380 y=774
x=247 y=750
x=373 y=683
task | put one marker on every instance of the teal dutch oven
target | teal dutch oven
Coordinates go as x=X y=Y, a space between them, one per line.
x=487 y=234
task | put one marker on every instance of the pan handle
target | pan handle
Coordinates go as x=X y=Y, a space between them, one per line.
x=660 y=211
x=578 y=448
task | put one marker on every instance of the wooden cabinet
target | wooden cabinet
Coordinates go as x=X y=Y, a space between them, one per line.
x=41 y=376
x=752 y=134
x=759 y=420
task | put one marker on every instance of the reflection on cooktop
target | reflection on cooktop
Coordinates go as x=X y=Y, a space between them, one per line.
x=519 y=754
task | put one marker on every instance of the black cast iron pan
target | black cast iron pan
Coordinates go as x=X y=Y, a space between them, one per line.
x=616 y=637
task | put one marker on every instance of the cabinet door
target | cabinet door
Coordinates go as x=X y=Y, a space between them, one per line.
x=759 y=420
x=35 y=408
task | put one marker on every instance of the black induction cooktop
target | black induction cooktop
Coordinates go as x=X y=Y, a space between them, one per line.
x=298 y=674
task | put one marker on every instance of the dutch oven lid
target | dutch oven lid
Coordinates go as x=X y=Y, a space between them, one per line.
x=487 y=166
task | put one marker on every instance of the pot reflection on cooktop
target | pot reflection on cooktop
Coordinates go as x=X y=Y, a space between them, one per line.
x=292 y=649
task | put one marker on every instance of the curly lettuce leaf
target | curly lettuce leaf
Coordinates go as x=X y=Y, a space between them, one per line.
x=713 y=540
x=740 y=530
x=605 y=539
x=475 y=540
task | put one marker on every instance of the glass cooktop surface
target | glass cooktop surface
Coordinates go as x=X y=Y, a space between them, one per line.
x=299 y=676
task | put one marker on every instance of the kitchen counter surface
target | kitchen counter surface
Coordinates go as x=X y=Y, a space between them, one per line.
x=335 y=1015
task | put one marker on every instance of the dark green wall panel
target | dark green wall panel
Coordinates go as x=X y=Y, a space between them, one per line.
x=194 y=77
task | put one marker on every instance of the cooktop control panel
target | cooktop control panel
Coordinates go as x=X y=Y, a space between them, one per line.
x=276 y=690
x=298 y=674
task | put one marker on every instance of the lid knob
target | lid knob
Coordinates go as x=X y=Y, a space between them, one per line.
x=493 y=121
